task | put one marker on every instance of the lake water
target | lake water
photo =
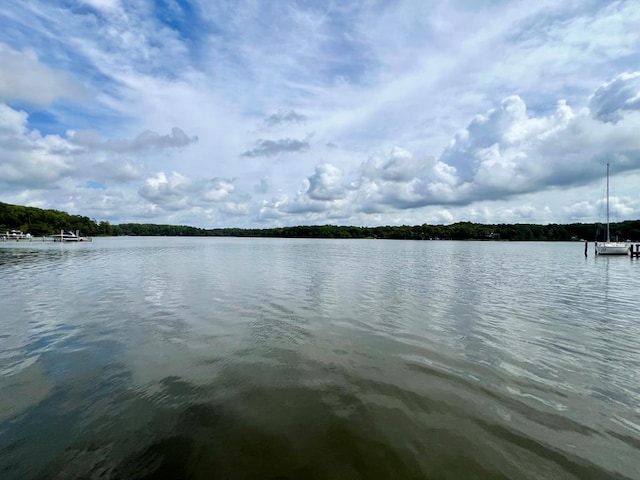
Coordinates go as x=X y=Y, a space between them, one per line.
x=228 y=358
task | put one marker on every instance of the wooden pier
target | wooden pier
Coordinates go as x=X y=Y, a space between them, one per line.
x=18 y=236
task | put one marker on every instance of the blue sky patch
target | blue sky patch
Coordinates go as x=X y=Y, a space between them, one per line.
x=95 y=185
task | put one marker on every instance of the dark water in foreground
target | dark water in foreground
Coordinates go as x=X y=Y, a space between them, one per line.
x=173 y=358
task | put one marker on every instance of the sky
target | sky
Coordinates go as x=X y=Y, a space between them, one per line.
x=259 y=114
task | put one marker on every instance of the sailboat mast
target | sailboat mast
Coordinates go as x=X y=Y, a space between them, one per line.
x=608 y=238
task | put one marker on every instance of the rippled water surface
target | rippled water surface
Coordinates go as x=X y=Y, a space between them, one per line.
x=228 y=358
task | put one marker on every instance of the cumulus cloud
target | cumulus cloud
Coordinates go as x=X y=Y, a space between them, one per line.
x=144 y=141
x=582 y=211
x=402 y=181
x=400 y=166
x=284 y=116
x=236 y=209
x=269 y=148
x=217 y=190
x=170 y=192
x=271 y=210
x=24 y=78
x=508 y=152
x=502 y=154
x=322 y=193
x=119 y=171
x=302 y=204
x=13 y=123
x=326 y=183
x=33 y=170
x=177 y=191
x=496 y=140
x=98 y=203
x=613 y=98
x=29 y=159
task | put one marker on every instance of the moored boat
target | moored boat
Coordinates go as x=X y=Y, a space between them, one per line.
x=69 y=237
x=608 y=247
x=15 y=235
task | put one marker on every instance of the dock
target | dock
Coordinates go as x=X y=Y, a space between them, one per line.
x=17 y=236
x=33 y=239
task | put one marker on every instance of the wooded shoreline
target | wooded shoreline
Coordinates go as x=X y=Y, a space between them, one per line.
x=39 y=222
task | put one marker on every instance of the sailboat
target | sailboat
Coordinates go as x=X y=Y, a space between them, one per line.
x=608 y=247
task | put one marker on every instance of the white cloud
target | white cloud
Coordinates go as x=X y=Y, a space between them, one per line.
x=614 y=98
x=28 y=159
x=583 y=209
x=117 y=170
x=235 y=209
x=498 y=140
x=217 y=190
x=169 y=192
x=23 y=77
x=145 y=140
x=269 y=148
x=177 y=192
x=13 y=123
x=326 y=183
x=103 y=5
x=508 y=151
x=104 y=204
x=399 y=167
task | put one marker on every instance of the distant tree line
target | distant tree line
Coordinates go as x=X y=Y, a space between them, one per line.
x=45 y=222
x=37 y=221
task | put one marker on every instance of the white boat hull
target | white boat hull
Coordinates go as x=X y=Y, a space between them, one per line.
x=15 y=235
x=69 y=237
x=612 y=248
